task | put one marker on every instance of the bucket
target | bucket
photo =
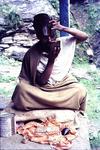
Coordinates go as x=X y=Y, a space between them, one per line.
x=7 y=124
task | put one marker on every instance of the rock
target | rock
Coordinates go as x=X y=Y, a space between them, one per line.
x=4 y=45
x=98 y=62
x=23 y=37
x=27 y=9
x=1 y=49
x=1 y=21
x=2 y=31
x=80 y=73
x=7 y=40
x=15 y=50
x=17 y=56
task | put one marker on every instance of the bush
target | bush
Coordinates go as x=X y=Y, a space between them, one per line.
x=13 y=20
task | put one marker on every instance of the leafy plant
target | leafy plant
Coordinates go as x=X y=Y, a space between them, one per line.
x=5 y=9
x=95 y=142
x=13 y=20
x=93 y=17
x=5 y=61
x=55 y=4
x=8 y=79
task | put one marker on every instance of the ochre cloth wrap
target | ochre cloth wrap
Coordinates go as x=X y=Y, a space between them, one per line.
x=68 y=94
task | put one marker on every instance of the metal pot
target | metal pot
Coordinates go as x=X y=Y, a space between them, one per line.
x=7 y=124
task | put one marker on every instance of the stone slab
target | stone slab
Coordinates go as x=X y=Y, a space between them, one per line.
x=80 y=143
x=81 y=120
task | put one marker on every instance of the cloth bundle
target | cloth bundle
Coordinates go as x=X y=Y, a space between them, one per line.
x=49 y=131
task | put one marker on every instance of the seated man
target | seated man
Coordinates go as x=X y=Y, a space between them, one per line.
x=44 y=80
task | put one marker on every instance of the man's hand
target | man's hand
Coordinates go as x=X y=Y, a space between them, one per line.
x=56 y=25
x=53 y=51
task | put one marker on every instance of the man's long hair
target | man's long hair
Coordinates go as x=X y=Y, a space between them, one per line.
x=41 y=20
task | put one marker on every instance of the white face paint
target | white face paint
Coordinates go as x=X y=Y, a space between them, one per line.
x=45 y=31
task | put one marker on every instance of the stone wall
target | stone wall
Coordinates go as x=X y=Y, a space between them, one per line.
x=15 y=42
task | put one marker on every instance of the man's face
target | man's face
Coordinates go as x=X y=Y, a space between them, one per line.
x=44 y=34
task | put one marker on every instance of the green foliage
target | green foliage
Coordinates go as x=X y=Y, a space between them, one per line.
x=95 y=142
x=4 y=9
x=93 y=102
x=7 y=79
x=8 y=82
x=93 y=99
x=80 y=58
x=11 y=18
x=4 y=92
x=92 y=84
x=93 y=18
x=5 y=61
x=55 y=4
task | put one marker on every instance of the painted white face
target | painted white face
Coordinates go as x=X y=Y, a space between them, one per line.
x=44 y=34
